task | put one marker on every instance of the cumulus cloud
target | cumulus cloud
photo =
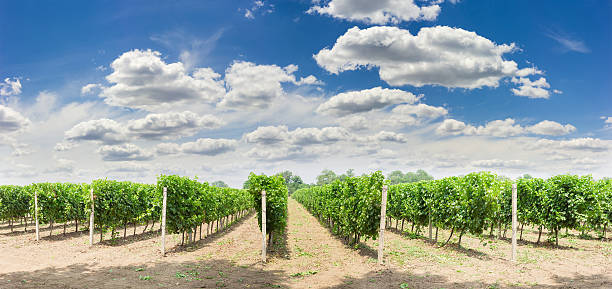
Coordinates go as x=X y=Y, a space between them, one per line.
x=418 y=114
x=389 y=136
x=172 y=124
x=268 y=135
x=503 y=128
x=441 y=55
x=355 y=122
x=209 y=146
x=255 y=86
x=104 y=130
x=124 y=152
x=141 y=79
x=168 y=148
x=64 y=146
x=365 y=100
x=89 y=88
x=11 y=120
x=452 y=127
x=531 y=89
x=497 y=163
x=547 y=127
x=309 y=136
x=582 y=144
x=10 y=87
x=377 y=12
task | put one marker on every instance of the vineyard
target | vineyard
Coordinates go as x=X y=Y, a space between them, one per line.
x=469 y=204
x=446 y=223
x=190 y=204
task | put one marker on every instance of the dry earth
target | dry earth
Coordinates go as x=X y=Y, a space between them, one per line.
x=307 y=256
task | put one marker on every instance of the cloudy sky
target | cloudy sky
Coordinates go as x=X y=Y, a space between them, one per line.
x=217 y=89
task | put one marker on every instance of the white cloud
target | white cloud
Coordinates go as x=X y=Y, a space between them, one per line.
x=172 y=124
x=268 y=135
x=528 y=71
x=567 y=42
x=10 y=87
x=452 y=127
x=64 y=146
x=365 y=100
x=547 y=127
x=500 y=128
x=355 y=122
x=503 y=128
x=607 y=121
x=441 y=55
x=389 y=136
x=141 y=79
x=124 y=152
x=89 y=88
x=410 y=115
x=255 y=86
x=168 y=148
x=377 y=12
x=11 y=120
x=531 y=89
x=104 y=130
x=209 y=146
x=497 y=163
x=309 y=136
x=582 y=144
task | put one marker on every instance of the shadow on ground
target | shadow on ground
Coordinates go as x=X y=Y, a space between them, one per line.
x=199 y=274
x=387 y=278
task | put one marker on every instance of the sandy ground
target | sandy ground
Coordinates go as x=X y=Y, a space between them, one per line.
x=307 y=256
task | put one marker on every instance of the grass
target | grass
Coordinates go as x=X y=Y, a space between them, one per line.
x=305 y=273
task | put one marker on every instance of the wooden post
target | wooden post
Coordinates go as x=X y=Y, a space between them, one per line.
x=383 y=215
x=514 y=222
x=430 y=228
x=91 y=217
x=36 y=214
x=163 y=224
x=263 y=226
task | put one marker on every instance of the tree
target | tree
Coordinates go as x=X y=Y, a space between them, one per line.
x=293 y=182
x=326 y=177
x=397 y=177
x=219 y=184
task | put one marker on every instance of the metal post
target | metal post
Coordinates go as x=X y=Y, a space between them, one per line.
x=383 y=213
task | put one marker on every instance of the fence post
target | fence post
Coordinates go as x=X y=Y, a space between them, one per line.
x=514 y=221
x=383 y=215
x=36 y=214
x=263 y=226
x=163 y=223
x=91 y=217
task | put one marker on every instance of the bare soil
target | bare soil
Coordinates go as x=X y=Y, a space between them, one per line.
x=306 y=256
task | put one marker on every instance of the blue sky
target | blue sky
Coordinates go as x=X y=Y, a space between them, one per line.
x=509 y=86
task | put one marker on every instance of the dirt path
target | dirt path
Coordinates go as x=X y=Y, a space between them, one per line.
x=307 y=256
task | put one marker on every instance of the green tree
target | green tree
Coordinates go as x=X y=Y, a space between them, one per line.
x=326 y=177
x=293 y=182
x=219 y=184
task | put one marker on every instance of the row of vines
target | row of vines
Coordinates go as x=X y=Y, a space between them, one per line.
x=473 y=203
x=120 y=204
x=350 y=207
